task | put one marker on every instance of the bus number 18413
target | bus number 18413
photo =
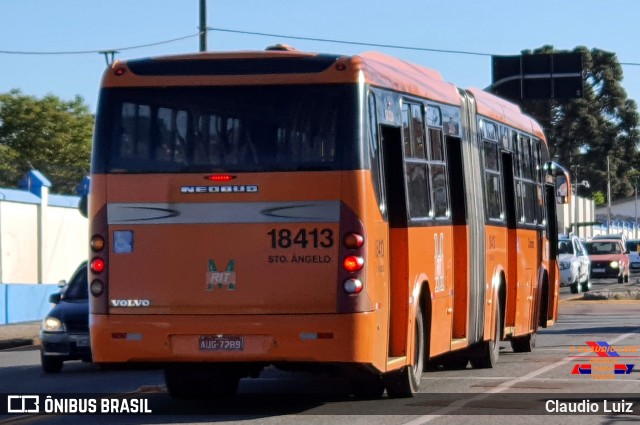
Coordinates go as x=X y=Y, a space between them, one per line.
x=314 y=238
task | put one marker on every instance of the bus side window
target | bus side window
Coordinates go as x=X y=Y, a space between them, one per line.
x=439 y=179
x=416 y=166
x=375 y=159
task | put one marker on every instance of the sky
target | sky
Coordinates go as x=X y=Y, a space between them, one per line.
x=488 y=27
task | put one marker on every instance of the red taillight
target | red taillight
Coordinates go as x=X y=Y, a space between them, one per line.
x=97 y=265
x=353 y=263
x=353 y=240
x=220 y=177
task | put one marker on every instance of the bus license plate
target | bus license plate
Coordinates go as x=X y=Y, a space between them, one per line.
x=221 y=343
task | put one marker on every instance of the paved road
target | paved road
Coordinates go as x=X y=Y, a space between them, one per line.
x=520 y=385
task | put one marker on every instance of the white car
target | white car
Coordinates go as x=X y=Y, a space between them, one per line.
x=633 y=246
x=575 y=266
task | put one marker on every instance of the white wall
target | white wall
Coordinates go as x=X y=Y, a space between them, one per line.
x=64 y=241
x=19 y=242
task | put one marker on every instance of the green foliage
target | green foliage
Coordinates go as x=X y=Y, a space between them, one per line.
x=48 y=134
x=599 y=198
x=603 y=123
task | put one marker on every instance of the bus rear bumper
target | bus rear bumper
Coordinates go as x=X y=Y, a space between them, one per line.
x=239 y=338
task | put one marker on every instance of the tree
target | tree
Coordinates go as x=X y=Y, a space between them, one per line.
x=603 y=123
x=48 y=134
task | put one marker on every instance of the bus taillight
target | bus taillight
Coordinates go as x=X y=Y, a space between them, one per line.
x=353 y=240
x=353 y=263
x=97 y=265
x=96 y=287
x=352 y=286
x=97 y=243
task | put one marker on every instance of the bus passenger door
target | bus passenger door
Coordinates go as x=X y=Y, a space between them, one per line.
x=461 y=241
x=391 y=142
x=512 y=237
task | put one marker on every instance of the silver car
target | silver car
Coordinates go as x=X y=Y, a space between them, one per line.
x=633 y=246
x=574 y=264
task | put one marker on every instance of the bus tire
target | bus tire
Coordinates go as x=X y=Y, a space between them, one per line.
x=455 y=361
x=487 y=356
x=523 y=344
x=197 y=381
x=406 y=381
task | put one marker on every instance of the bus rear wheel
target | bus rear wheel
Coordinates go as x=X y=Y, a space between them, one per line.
x=489 y=350
x=406 y=381
x=193 y=381
x=523 y=344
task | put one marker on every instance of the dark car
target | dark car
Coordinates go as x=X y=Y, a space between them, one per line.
x=65 y=330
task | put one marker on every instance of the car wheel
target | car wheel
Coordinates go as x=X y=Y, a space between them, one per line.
x=586 y=285
x=51 y=364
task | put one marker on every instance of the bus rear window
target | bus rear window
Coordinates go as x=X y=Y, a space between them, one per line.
x=242 y=128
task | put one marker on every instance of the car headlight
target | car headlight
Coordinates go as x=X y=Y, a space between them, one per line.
x=52 y=324
x=614 y=264
x=565 y=266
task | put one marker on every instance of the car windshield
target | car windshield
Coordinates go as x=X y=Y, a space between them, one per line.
x=77 y=288
x=602 y=247
x=565 y=247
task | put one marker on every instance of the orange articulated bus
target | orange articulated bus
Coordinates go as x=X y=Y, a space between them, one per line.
x=316 y=212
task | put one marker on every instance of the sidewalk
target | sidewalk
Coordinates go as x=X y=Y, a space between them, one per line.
x=20 y=334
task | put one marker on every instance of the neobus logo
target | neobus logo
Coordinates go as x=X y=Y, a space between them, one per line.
x=219 y=189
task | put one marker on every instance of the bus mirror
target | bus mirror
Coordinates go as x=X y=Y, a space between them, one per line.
x=562 y=192
x=82 y=206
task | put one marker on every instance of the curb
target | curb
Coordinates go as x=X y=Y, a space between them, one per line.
x=15 y=343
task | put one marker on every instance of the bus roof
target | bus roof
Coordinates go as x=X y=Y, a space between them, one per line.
x=501 y=110
x=299 y=67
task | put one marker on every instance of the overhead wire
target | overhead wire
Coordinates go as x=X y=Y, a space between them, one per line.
x=84 y=52
x=355 y=43
x=262 y=34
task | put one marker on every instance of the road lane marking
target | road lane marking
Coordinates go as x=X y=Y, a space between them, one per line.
x=506 y=385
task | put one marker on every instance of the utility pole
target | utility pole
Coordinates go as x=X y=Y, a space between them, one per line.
x=608 y=195
x=635 y=227
x=203 y=25
x=575 y=201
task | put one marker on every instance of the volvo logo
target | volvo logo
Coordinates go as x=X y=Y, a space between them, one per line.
x=130 y=303
x=219 y=189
